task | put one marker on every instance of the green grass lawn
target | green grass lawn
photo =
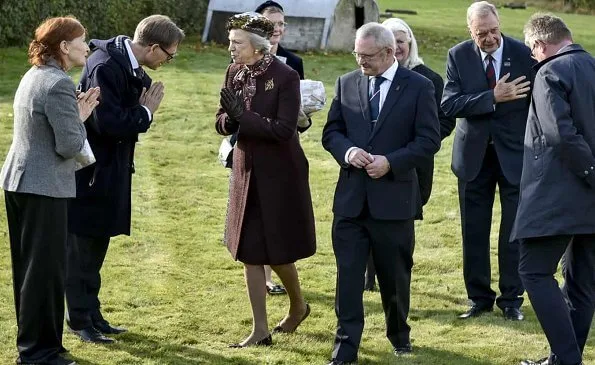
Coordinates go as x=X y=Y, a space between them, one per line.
x=183 y=298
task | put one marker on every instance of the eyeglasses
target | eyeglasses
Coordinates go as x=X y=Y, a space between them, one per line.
x=366 y=57
x=169 y=55
x=280 y=24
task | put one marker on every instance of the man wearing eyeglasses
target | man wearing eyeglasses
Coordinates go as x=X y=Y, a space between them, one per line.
x=382 y=125
x=102 y=207
x=488 y=80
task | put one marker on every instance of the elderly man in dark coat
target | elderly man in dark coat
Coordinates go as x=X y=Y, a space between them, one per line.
x=556 y=216
x=486 y=88
x=102 y=207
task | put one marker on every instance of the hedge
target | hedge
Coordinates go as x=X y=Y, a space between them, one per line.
x=103 y=19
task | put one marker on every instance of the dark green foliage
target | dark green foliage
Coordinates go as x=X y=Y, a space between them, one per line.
x=103 y=19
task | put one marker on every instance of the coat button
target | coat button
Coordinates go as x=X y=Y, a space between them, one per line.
x=586 y=172
x=536 y=157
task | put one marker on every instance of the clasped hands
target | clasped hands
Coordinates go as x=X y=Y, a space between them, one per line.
x=376 y=165
x=232 y=104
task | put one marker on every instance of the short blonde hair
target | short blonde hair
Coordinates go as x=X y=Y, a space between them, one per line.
x=547 y=28
x=158 y=29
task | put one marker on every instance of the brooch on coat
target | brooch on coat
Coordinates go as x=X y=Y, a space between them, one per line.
x=269 y=85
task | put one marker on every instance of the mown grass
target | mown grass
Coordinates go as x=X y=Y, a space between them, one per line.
x=174 y=285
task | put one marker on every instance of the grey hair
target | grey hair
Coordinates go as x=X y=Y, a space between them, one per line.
x=382 y=36
x=158 y=29
x=398 y=25
x=547 y=28
x=480 y=9
x=260 y=44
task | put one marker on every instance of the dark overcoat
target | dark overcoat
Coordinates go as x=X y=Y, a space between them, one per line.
x=268 y=154
x=558 y=182
x=102 y=206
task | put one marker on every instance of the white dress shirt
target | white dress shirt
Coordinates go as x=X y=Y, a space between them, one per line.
x=389 y=75
x=497 y=56
x=134 y=63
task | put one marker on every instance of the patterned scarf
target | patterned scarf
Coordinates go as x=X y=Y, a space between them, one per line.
x=245 y=79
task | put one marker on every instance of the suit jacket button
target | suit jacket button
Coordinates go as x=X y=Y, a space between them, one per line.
x=586 y=172
x=536 y=157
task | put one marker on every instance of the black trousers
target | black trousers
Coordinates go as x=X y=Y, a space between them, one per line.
x=38 y=227
x=83 y=280
x=391 y=244
x=566 y=313
x=476 y=200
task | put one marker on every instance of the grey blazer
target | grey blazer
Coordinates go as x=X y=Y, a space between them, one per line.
x=47 y=134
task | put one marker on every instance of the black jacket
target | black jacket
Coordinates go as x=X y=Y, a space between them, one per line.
x=558 y=182
x=102 y=206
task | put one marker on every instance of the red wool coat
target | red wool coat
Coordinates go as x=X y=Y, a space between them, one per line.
x=270 y=218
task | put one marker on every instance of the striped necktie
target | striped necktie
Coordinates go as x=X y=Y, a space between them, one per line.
x=491 y=72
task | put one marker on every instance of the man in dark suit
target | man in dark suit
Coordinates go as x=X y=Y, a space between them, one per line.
x=102 y=207
x=486 y=88
x=382 y=125
x=556 y=215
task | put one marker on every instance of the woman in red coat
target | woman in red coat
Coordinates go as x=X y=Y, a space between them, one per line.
x=270 y=219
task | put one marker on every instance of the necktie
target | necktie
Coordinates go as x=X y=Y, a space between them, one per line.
x=139 y=72
x=375 y=100
x=490 y=72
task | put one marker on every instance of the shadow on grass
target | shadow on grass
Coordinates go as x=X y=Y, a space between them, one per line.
x=162 y=352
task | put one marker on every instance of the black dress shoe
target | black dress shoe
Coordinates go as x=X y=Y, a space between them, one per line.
x=92 y=335
x=513 y=314
x=544 y=361
x=475 y=311
x=267 y=341
x=279 y=329
x=339 y=362
x=403 y=350
x=104 y=327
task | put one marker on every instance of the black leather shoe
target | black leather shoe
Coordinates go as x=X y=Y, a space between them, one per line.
x=279 y=329
x=267 y=341
x=475 y=311
x=104 y=327
x=62 y=361
x=338 y=362
x=513 y=314
x=92 y=335
x=544 y=361
x=403 y=350
x=58 y=360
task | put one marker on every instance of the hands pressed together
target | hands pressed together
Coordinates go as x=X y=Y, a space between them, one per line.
x=86 y=102
x=152 y=97
x=508 y=91
x=376 y=165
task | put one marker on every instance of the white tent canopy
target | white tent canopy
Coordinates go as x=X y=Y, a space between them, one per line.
x=325 y=24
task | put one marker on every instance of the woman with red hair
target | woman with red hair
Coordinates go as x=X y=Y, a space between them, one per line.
x=38 y=179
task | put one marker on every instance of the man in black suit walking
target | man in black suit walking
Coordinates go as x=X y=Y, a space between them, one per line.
x=486 y=88
x=382 y=124
x=556 y=215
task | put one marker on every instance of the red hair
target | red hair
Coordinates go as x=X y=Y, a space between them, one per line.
x=48 y=37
